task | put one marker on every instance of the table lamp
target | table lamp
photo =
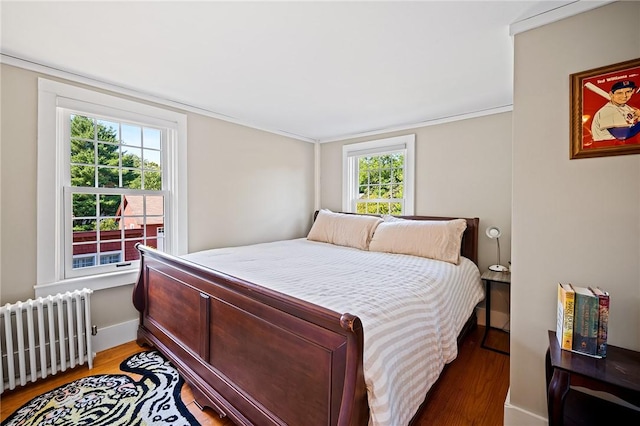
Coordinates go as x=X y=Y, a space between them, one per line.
x=494 y=232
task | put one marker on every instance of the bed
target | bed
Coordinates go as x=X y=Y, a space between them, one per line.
x=288 y=333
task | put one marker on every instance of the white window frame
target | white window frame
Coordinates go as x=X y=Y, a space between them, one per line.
x=350 y=179
x=53 y=158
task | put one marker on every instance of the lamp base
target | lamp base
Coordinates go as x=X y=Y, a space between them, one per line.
x=498 y=268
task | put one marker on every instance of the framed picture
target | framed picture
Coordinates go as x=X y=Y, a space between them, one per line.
x=605 y=111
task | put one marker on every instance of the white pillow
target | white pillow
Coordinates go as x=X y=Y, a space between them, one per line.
x=440 y=240
x=341 y=229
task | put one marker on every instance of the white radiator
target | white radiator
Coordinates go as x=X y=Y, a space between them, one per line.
x=44 y=336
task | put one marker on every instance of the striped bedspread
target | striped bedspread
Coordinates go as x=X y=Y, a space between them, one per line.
x=412 y=309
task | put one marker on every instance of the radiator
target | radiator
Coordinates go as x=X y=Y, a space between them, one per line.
x=44 y=336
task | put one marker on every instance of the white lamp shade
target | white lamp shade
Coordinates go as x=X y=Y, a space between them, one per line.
x=493 y=232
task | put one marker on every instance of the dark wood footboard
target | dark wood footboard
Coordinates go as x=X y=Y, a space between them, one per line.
x=249 y=353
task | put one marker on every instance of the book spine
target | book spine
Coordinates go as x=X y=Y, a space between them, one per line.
x=585 y=324
x=560 y=316
x=603 y=324
x=567 y=329
x=564 y=326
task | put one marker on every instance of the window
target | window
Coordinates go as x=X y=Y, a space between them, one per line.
x=378 y=176
x=110 y=176
x=114 y=193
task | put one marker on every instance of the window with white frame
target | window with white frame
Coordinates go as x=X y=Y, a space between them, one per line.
x=110 y=177
x=378 y=176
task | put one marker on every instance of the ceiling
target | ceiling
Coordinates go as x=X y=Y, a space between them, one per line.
x=315 y=71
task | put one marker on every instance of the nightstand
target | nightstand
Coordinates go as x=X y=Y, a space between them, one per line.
x=490 y=278
x=618 y=374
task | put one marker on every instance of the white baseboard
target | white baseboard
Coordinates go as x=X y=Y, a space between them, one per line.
x=114 y=335
x=516 y=416
x=498 y=319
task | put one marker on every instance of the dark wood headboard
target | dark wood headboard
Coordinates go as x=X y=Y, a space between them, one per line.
x=469 y=248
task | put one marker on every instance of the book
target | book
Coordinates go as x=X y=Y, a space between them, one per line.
x=585 y=321
x=564 y=326
x=603 y=320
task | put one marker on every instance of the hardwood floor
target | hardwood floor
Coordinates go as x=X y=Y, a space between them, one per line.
x=471 y=390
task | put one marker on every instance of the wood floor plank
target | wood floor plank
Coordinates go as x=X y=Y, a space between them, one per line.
x=471 y=390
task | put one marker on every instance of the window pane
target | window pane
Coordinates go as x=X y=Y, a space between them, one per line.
x=83 y=205
x=131 y=157
x=155 y=207
x=130 y=252
x=151 y=159
x=82 y=127
x=83 y=176
x=364 y=163
x=82 y=152
x=85 y=251
x=107 y=228
x=151 y=138
x=397 y=191
x=137 y=231
x=131 y=135
x=106 y=259
x=84 y=230
x=108 y=154
x=385 y=175
x=84 y=261
x=131 y=178
x=108 y=131
x=108 y=177
x=398 y=175
x=374 y=176
x=109 y=204
x=152 y=180
x=111 y=246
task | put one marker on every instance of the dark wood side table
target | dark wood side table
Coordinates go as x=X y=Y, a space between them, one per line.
x=617 y=374
x=489 y=278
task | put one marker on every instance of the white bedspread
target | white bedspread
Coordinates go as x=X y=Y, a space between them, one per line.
x=411 y=308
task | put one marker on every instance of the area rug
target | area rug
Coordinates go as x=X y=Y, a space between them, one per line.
x=113 y=399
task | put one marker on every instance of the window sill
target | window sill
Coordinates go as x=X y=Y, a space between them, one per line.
x=96 y=282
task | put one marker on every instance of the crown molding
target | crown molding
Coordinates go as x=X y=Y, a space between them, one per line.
x=555 y=14
x=121 y=90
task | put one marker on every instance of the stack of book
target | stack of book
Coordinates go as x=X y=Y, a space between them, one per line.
x=583 y=319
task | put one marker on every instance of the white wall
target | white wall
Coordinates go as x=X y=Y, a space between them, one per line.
x=573 y=220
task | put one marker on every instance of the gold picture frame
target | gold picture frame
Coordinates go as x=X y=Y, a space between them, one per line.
x=602 y=100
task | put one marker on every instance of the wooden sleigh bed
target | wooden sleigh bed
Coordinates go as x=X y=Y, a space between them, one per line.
x=257 y=355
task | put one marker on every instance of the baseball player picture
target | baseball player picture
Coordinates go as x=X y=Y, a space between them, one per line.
x=610 y=107
x=617 y=120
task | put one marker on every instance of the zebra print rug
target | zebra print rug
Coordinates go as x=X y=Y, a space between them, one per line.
x=113 y=399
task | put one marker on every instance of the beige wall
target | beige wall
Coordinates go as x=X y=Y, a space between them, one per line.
x=244 y=186
x=463 y=168
x=573 y=220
